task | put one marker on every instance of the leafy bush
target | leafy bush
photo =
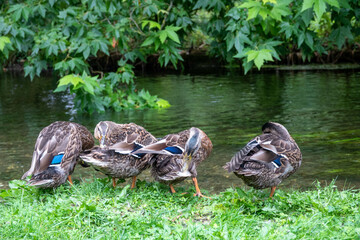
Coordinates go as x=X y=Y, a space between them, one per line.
x=113 y=91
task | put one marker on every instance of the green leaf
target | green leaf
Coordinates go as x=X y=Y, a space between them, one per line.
x=339 y=36
x=306 y=16
x=247 y=66
x=307 y=4
x=252 y=13
x=72 y=64
x=172 y=34
x=148 y=41
x=250 y=4
x=152 y=24
x=42 y=10
x=301 y=38
x=89 y=88
x=3 y=41
x=333 y=3
x=17 y=15
x=162 y=36
x=264 y=13
x=70 y=79
x=52 y=2
x=259 y=56
x=86 y=52
x=319 y=8
x=25 y=13
x=162 y=103
x=104 y=48
x=279 y=11
x=29 y=71
x=309 y=40
x=230 y=41
x=61 y=88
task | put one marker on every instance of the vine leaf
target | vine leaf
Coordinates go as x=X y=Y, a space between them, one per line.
x=319 y=6
x=3 y=42
x=74 y=80
x=259 y=56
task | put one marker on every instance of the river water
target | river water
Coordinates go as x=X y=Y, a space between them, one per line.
x=320 y=109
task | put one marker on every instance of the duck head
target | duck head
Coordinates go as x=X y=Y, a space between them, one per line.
x=277 y=129
x=101 y=131
x=194 y=142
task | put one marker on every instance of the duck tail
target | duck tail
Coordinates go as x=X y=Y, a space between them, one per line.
x=239 y=157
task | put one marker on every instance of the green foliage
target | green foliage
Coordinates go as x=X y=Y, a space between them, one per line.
x=114 y=91
x=73 y=37
x=95 y=210
x=3 y=42
x=280 y=28
x=5 y=46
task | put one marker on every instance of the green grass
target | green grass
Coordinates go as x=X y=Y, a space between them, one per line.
x=95 y=210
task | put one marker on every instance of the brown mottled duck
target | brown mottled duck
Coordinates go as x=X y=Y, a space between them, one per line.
x=176 y=156
x=267 y=159
x=115 y=156
x=56 y=151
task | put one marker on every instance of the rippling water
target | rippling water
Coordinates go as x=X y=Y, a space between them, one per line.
x=320 y=109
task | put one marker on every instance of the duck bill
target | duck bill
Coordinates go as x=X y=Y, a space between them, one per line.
x=102 y=142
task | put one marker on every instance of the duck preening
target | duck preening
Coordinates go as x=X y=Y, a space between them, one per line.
x=56 y=151
x=267 y=159
x=176 y=156
x=115 y=156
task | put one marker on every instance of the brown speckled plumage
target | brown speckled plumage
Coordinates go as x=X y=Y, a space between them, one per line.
x=113 y=133
x=114 y=158
x=59 y=137
x=173 y=168
x=166 y=168
x=115 y=164
x=255 y=162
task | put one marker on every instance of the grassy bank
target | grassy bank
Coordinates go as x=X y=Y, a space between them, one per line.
x=94 y=210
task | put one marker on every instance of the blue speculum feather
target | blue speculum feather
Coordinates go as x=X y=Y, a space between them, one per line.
x=137 y=147
x=277 y=161
x=57 y=159
x=174 y=150
x=139 y=155
x=253 y=142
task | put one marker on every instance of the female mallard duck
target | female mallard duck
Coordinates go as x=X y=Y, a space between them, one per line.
x=56 y=150
x=114 y=156
x=176 y=156
x=267 y=159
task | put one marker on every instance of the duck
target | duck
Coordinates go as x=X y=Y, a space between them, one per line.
x=114 y=157
x=266 y=160
x=57 y=149
x=176 y=157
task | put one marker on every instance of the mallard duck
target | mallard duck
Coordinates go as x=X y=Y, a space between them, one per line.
x=267 y=159
x=56 y=151
x=109 y=133
x=176 y=156
x=114 y=156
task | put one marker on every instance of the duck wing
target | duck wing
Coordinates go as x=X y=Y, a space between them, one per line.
x=58 y=137
x=264 y=151
x=127 y=145
x=167 y=146
x=51 y=140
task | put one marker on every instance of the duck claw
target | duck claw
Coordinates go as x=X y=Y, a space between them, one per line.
x=201 y=195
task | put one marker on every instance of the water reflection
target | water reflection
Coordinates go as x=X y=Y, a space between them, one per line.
x=320 y=109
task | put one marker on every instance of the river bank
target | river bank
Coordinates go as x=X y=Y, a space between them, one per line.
x=93 y=209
